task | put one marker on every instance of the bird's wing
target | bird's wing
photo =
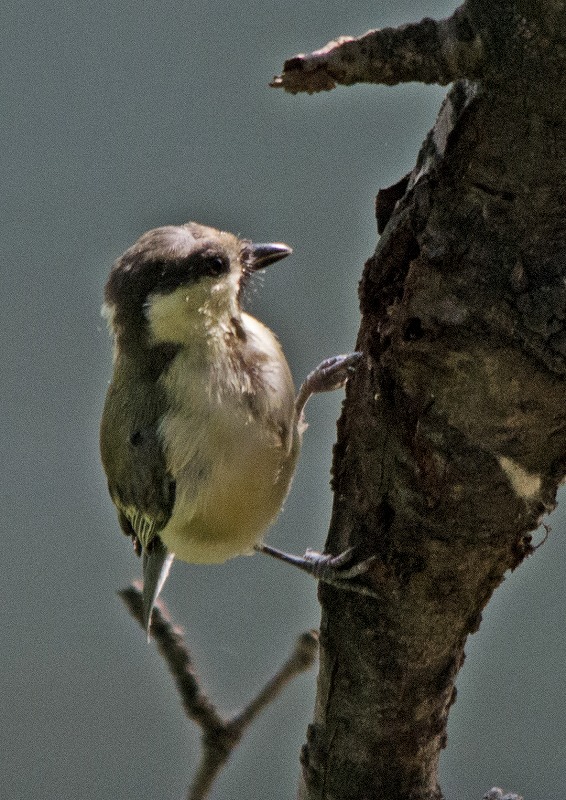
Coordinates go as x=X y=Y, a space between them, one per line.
x=139 y=524
x=140 y=485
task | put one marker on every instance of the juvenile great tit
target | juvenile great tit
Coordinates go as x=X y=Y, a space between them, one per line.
x=201 y=430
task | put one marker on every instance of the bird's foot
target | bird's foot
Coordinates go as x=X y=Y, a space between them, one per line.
x=338 y=571
x=331 y=374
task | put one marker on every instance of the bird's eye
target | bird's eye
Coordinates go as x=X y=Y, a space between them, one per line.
x=215 y=265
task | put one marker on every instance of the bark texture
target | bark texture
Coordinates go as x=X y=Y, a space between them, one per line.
x=452 y=441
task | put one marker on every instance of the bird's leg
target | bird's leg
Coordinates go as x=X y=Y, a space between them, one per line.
x=341 y=569
x=338 y=571
x=331 y=374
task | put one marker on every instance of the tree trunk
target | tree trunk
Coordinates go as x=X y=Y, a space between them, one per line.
x=452 y=441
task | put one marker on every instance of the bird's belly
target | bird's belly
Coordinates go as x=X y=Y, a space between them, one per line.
x=228 y=493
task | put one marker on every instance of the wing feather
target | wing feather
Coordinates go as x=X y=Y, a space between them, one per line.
x=131 y=447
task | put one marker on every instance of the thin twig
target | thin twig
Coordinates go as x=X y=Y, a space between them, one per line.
x=301 y=659
x=219 y=736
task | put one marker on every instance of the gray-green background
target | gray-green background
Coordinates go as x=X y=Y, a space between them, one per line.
x=118 y=117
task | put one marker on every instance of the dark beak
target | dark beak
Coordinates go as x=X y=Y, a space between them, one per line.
x=264 y=254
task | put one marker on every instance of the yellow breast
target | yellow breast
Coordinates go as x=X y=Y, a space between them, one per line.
x=232 y=443
x=229 y=493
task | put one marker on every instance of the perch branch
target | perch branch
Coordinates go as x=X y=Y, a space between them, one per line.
x=451 y=442
x=429 y=51
x=220 y=736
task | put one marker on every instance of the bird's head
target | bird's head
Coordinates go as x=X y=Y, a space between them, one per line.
x=180 y=277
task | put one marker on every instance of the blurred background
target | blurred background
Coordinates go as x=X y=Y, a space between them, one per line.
x=118 y=118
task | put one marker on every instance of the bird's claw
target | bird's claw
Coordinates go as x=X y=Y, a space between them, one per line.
x=326 y=567
x=338 y=571
x=332 y=373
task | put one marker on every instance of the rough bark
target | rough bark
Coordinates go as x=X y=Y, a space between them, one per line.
x=452 y=441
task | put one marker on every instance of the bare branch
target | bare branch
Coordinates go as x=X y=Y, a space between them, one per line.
x=429 y=51
x=220 y=736
x=170 y=643
x=301 y=659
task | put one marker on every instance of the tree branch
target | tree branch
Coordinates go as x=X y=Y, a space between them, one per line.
x=429 y=51
x=452 y=441
x=220 y=736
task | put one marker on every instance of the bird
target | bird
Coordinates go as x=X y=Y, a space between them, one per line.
x=201 y=429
